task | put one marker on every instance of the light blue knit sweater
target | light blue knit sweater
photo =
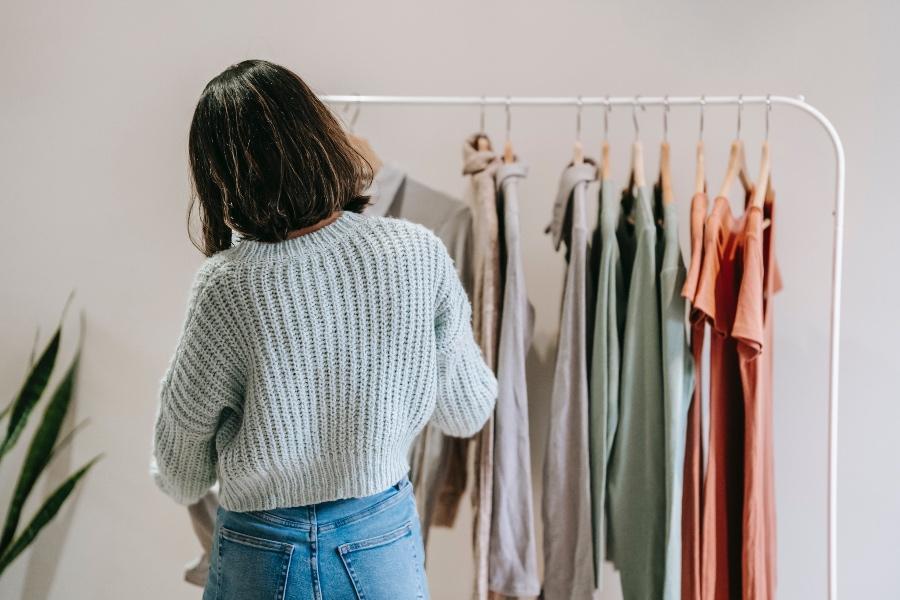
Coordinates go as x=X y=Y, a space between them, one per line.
x=306 y=367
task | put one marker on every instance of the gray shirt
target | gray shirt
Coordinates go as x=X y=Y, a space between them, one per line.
x=566 y=510
x=513 y=562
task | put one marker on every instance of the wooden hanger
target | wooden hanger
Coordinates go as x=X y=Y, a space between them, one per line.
x=665 y=174
x=665 y=161
x=737 y=161
x=700 y=173
x=363 y=146
x=637 y=151
x=578 y=150
x=578 y=153
x=762 y=184
x=737 y=167
x=637 y=164
x=508 y=155
x=604 y=161
x=604 y=149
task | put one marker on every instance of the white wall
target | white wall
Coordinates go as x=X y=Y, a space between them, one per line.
x=95 y=101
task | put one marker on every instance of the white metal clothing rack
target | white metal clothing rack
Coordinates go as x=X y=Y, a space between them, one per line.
x=667 y=101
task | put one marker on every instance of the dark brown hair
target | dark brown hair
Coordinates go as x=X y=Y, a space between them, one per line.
x=268 y=157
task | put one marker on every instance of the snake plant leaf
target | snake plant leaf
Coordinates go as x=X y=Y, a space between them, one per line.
x=39 y=451
x=33 y=387
x=44 y=515
x=67 y=438
x=34 y=347
x=30 y=393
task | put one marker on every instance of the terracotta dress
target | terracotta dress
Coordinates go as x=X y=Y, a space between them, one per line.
x=692 y=493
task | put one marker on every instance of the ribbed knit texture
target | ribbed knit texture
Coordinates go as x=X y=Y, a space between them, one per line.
x=306 y=367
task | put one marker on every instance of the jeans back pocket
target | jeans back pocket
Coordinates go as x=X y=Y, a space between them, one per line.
x=251 y=568
x=385 y=567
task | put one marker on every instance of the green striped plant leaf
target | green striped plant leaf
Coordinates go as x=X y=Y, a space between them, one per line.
x=32 y=389
x=44 y=515
x=34 y=346
x=39 y=451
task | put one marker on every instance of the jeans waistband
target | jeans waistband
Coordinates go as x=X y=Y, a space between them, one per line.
x=336 y=512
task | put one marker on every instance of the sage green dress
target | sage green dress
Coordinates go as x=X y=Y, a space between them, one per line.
x=609 y=321
x=645 y=468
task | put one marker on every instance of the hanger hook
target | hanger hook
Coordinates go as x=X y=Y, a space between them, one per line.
x=634 y=106
x=768 y=113
x=508 y=117
x=740 y=112
x=666 y=118
x=702 y=111
x=606 y=119
x=579 y=104
x=481 y=121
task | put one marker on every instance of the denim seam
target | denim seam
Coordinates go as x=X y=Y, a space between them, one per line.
x=285 y=572
x=346 y=560
x=421 y=593
x=218 y=543
x=314 y=554
x=249 y=540
x=380 y=540
x=276 y=520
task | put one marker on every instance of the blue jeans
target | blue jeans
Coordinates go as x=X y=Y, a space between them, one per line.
x=359 y=548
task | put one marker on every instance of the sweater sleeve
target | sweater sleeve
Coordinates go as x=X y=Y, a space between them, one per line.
x=467 y=389
x=203 y=380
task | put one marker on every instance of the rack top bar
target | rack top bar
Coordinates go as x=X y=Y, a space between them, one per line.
x=562 y=100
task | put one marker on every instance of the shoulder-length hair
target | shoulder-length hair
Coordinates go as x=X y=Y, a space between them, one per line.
x=268 y=157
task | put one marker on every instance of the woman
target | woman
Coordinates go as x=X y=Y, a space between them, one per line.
x=313 y=351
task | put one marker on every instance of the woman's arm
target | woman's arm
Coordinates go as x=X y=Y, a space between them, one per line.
x=467 y=389
x=202 y=380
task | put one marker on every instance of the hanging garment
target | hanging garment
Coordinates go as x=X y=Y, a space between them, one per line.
x=438 y=464
x=753 y=330
x=480 y=166
x=432 y=464
x=513 y=567
x=692 y=494
x=609 y=323
x=566 y=510
x=637 y=471
x=678 y=384
x=723 y=488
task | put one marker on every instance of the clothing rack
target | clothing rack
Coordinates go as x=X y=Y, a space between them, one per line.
x=635 y=102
